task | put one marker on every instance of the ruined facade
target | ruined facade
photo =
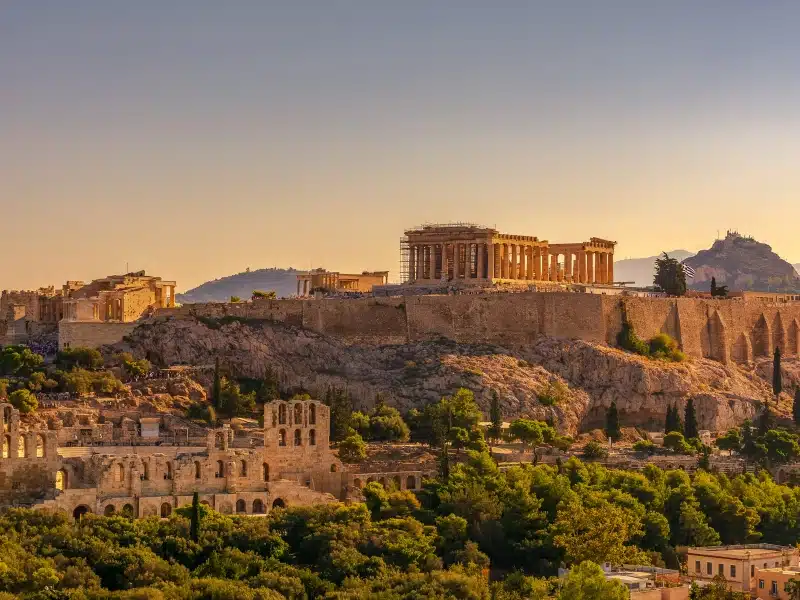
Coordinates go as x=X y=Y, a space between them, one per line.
x=471 y=254
x=293 y=465
x=333 y=281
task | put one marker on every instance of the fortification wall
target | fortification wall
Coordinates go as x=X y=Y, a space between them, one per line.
x=91 y=335
x=724 y=330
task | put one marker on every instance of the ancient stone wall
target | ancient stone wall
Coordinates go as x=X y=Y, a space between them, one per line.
x=91 y=335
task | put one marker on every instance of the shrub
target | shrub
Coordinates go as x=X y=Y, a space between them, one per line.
x=644 y=446
x=87 y=358
x=352 y=449
x=594 y=450
x=628 y=340
x=553 y=393
x=675 y=441
x=663 y=347
x=23 y=401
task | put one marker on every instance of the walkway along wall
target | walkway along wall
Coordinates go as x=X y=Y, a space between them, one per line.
x=724 y=330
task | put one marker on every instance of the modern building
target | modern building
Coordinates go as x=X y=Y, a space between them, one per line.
x=470 y=253
x=774 y=582
x=738 y=564
x=334 y=282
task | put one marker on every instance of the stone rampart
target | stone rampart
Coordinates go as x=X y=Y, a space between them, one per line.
x=91 y=335
x=724 y=330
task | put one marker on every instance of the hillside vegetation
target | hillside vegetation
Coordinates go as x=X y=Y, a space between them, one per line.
x=242 y=285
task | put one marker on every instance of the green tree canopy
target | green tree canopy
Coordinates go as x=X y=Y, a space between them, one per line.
x=669 y=276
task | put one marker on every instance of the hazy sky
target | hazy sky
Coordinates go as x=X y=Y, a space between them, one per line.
x=197 y=138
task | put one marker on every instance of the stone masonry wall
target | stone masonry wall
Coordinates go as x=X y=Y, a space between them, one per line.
x=724 y=330
x=91 y=335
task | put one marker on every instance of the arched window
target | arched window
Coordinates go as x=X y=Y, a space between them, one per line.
x=312 y=437
x=219 y=441
x=258 y=507
x=384 y=483
x=198 y=471
x=39 y=446
x=265 y=471
x=145 y=471
x=334 y=467
x=120 y=472
x=282 y=414
x=411 y=482
x=220 y=469
x=109 y=510
x=370 y=480
x=397 y=482
x=6 y=446
x=298 y=438
x=298 y=414
x=61 y=480
x=80 y=511
x=127 y=510
x=312 y=414
x=168 y=473
x=282 y=437
x=357 y=483
x=241 y=506
x=279 y=503
x=6 y=418
x=166 y=510
x=22 y=447
x=244 y=468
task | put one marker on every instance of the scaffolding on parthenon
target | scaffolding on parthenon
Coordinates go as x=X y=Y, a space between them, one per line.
x=404 y=252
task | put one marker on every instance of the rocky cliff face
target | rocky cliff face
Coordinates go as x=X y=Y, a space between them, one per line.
x=742 y=263
x=583 y=378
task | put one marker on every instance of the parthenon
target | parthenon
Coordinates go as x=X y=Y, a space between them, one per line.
x=471 y=253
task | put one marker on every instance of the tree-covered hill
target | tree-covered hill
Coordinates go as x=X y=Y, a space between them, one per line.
x=282 y=281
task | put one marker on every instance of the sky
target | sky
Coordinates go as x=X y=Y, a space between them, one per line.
x=197 y=138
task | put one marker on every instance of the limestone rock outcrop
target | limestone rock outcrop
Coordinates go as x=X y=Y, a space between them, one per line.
x=587 y=376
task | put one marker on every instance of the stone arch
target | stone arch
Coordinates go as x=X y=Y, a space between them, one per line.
x=714 y=342
x=312 y=413
x=62 y=480
x=298 y=414
x=265 y=471
x=41 y=445
x=127 y=509
x=357 y=483
x=109 y=510
x=7 y=417
x=334 y=467
x=370 y=480
x=120 y=472
x=6 y=446
x=241 y=506
x=411 y=482
x=205 y=503
x=762 y=338
x=312 y=437
x=384 y=483
x=168 y=472
x=166 y=510
x=219 y=440
x=258 y=507
x=243 y=468
x=282 y=437
x=198 y=470
x=220 y=469
x=22 y=446
x=278 y=503
x=145 y=470
x=793 y=339
x=398 y=482
x=742 y=350
x=79 y=511
x=298 y=438
x=282 y=414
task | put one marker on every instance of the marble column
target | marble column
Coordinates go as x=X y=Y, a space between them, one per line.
x=555 y=272
x=412 y=262
x=479 y=250
x=590 y=267
x=610 y=268
x=603 y=276
x=544 y=264
x=299 y=281
x=432 y=262
x=537 y=270
x=568 y=266
x=456 y=259
x=490 y=253
x=513 y=271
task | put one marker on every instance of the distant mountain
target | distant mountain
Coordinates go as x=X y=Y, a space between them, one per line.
x=743 y=263
x=282 y=281
x=797 y=268
x=640 y=270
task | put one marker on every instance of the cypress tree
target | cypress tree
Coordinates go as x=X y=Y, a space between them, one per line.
x=194 y=523
x=669 y=422
x=764 y=420
x=713 y=287
x=777 y=380
x=796 y=407
x=496 y=417
x=444 y=463
x=216 y=390
x=690 y=420
x=612 y=423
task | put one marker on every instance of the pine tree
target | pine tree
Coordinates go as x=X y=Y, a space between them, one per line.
x=713 y=287
x=216 y=389
x=669 y=423
x=194 y=523
x=777 y=379
x=764 y=420
x=496 y=417
x=796 y=407
x=341 y=413
x=612 y=423
x=690 y=421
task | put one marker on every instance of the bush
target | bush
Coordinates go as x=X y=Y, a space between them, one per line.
x=23 y=401
x=202 y=412
x=87 y=358
x=628 y=340
x=663 y=347
x=675 y=441
x=352 y=449
x=594 y=450
x=555 y=392
x=644 y=446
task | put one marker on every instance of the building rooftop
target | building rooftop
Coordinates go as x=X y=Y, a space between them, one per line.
x=753 y=550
